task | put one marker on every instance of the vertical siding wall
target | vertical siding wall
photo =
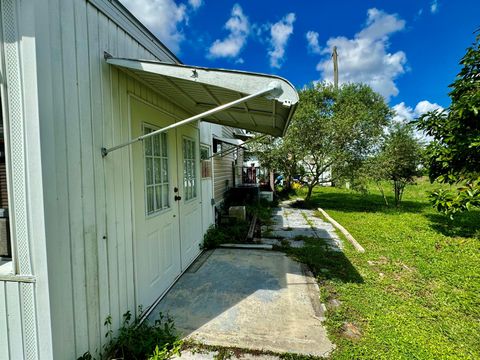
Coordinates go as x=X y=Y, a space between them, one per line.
x=223 y=178
x=24 y=332
x=84 y=106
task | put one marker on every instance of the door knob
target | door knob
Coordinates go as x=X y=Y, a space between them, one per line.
x=175 y=189
x=177 y=198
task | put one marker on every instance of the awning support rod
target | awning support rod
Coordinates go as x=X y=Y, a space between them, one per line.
x=234 y=147
x=273 y=86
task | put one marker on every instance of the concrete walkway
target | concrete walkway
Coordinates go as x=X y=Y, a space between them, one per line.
x=254 y=299
x=293 y=224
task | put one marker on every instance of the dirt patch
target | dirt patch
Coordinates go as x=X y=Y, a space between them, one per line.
x=350 y=331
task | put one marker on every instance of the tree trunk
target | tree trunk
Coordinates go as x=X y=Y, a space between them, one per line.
x=287 y=183
x=309 y=193
x=382 y=192
x=398 y=187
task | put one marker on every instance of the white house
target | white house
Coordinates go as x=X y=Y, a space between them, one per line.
x=107 y=203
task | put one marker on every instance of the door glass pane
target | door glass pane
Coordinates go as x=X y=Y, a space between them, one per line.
x=157 y=165
x=156 y=146
x=158 y=197
x=150 y=200
x=164 y=170
x=189 y=168
x=148 y=146
x=164 y=144
x=149 y=170
x=156 y=172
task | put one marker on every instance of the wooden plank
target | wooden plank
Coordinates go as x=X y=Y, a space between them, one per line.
x=100 y=126
x=71 y=116
x=110 y=191
x=14 y=320
x=4 y=338
x=128 y=211
x=251 y=229
x=344 y=231
x=124 y=175
x=92 y=101
x=122 y=39
x=111 y=164
x=59 y=256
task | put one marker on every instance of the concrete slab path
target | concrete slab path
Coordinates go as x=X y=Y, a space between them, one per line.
x=293 y=224
x=251 y=299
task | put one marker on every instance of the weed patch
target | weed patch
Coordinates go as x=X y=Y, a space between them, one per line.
x=139 y=340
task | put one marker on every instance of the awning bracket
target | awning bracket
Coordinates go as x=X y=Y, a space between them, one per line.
x=274 y=86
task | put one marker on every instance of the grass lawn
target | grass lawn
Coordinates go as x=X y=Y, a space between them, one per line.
x=414 y=293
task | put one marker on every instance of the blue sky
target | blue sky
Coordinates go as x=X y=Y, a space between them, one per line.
x=407 y=50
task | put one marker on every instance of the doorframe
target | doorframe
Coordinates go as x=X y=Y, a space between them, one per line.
x=147 y=311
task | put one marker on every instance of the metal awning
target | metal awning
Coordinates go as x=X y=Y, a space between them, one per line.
x=256 y=102
x=230 y=141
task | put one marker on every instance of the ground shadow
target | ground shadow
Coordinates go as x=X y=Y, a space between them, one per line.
x=326 y=264
x=464 y=224
x=212 y=287
x=355 y=202
x=319 y=251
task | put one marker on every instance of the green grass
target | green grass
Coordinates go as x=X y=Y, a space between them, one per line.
x=415 y=292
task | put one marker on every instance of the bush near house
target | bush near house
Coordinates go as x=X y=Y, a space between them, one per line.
x=231 y=230
x=414 y=293
x=137 y=340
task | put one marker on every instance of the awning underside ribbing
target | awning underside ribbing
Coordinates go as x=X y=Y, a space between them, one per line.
x=197 y=90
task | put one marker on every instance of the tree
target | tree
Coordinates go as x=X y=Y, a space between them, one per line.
x=336 y=130
x=400 y=159
x=454 y=153
x=276 y=155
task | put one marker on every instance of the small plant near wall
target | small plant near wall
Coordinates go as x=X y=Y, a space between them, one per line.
x=233 y=230
x=139 y=340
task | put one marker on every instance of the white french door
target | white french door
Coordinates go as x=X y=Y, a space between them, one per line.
x=167 y=208
x=190 y=192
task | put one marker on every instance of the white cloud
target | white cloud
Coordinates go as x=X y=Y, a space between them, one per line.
x=434 y=7
x=279 y=34
x=366 y=58
x=239 y=28
x=380 y=25
x=404 y=113
x=426 y=106
x=162 y=17
x=195 y=4
x=312 y=39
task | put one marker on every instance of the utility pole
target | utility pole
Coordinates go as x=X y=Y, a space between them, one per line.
x=335 y=67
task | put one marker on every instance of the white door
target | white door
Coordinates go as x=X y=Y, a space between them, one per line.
x=156 y=213
x=189 y=193
x=167 y=201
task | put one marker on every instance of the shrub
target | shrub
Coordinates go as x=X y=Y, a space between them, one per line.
x=213 y=237
x=140 y=340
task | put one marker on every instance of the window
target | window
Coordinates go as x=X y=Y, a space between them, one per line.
x=206 y=161
x=156 y=172
x=189 y=169
x=5 y=241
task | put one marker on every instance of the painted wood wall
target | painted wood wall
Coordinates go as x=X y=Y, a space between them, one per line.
x=84 y=106
x=222 y=166
x=24 y=332
x=80 y=250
